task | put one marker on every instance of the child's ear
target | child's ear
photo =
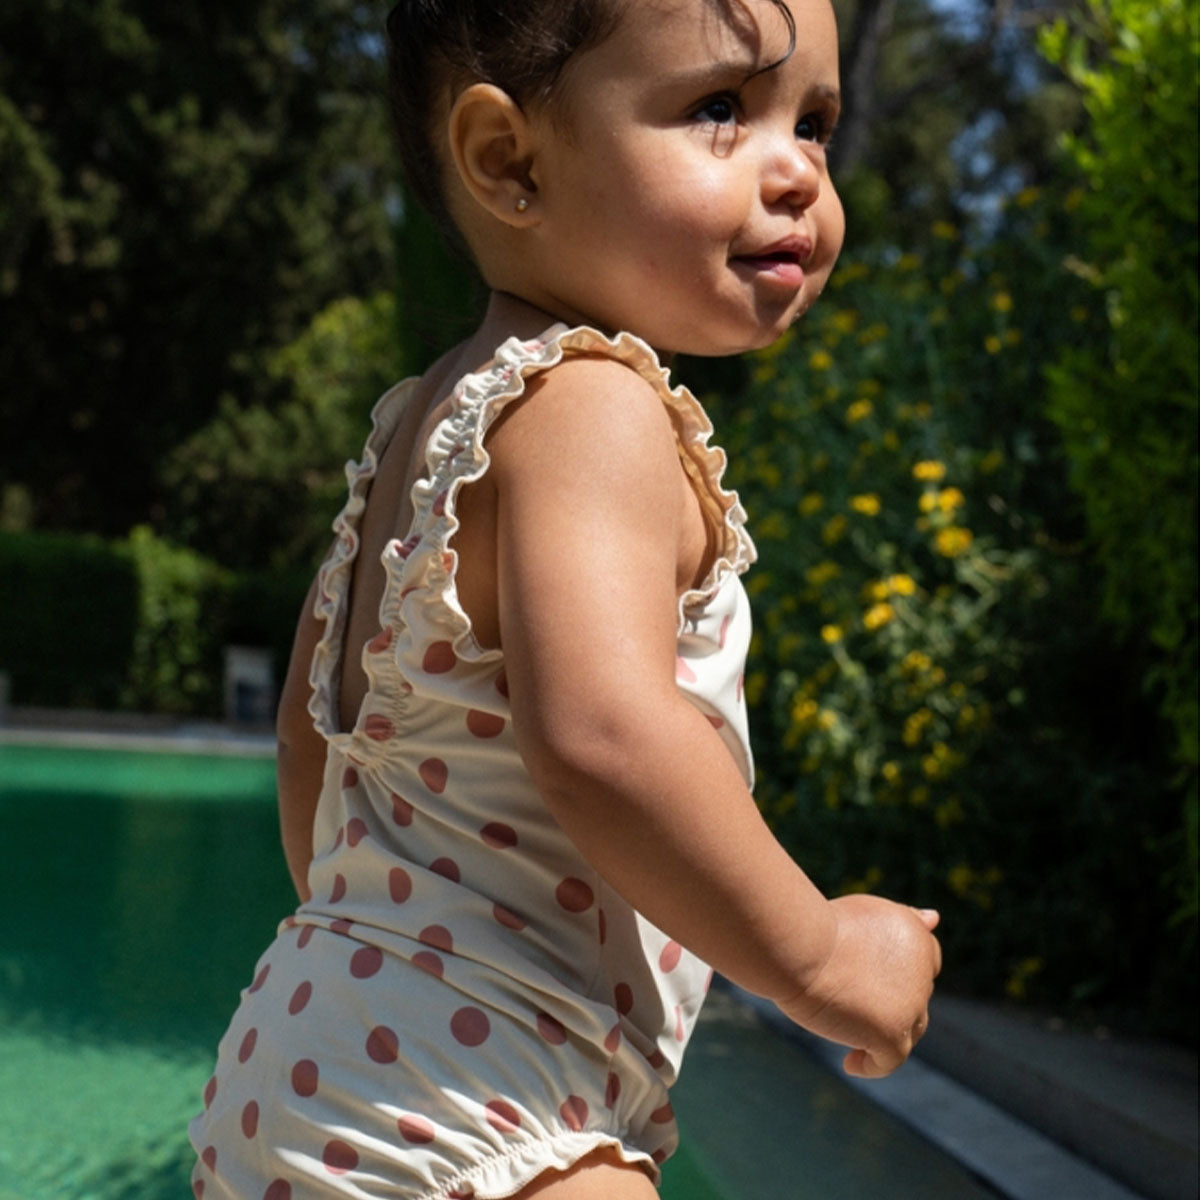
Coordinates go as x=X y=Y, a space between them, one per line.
x=491 y=144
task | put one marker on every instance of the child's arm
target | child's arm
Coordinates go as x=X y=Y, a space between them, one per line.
x=591 y=514
x=300 y=758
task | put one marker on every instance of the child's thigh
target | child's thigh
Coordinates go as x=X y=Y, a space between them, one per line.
x=601 y=1175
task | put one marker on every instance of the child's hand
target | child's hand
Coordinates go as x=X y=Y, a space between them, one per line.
x=872 y=992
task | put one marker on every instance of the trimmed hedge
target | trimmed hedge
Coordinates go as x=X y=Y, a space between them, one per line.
x=138 y=624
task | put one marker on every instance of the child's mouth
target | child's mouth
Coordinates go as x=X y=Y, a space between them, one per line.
x=778 y=266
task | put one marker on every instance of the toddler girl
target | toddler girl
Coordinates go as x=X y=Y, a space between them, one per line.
x=514 y=776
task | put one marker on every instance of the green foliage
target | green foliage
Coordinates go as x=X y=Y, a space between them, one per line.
x=259 y=486
x=175 y=665
x=934 y=715
x=68 y=618
x=184 y=187
x=1127 y=403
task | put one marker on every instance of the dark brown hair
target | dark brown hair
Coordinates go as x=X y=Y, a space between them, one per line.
x=521 y=47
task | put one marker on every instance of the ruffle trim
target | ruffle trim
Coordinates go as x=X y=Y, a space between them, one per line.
x=507 y=1174
x=455 y=456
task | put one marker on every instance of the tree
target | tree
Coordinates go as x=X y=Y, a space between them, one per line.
x=185 y=186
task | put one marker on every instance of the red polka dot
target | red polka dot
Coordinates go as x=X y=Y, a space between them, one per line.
x=664 y=1115
x=416 y=1130
x=716 y=722
x=668 y=960
x=366 y=962
x=724 y=630
x=623 y=995
x=383 y=1046
x=574 y=1112
x=439 y=503
x=210 y=1091
x=339 y=1157
x=379 y=728
x=434 y=774
x=349 y=778
x=341 y=836
x=502 y=684
x=683 y=673
x=305 y=1075
x=502 y=1116
x=659 y=1157
x=612 y=1041
x=461 y=1194
x=508 y=919
x=439 y=658
x=341 y=926
x=381 y=641
x=447 y=868
x=260 y=978
x=657 y=1059
x=338 y=891
x=484 y=724
x=551 y=1028
x=498 y=835
x=278 y=1189
x=247 y=1047
x=574 y=895
x=470 y=1026
x=208 y=1156
x=437 y=936
x=448 y=561
x=198 y=1189
x=300 y=998
x=305 y=936
x=406 y=547
x=356 y=830
x=429 y=962
x=612 y=1090
x=680 y=1032
x=250 y=1119
x=402 y=811
x=399 y=884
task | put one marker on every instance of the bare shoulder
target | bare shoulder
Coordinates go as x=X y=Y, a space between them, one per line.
x=591 y=412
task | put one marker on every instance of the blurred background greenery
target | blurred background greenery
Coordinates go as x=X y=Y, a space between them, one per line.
x=971 y=472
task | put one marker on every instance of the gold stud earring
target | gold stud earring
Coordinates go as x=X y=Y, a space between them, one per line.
x=522 y=204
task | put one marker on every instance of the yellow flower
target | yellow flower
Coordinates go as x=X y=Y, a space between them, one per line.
x=756 y=684
x=1002 y=302
x=960 y=878
x=901 y=585
x=820 y=360
x=890 y=439
x=867 y=504
x=949 y=499
x=949 y=812
x=919 y=796
x=835 y=527
x=822 y=573
x=1012 y=337
x=826 y=719
x=1027 y=196
x=851 y=272
x=844 y=320
x=1018 y=982
x=992 y=344
x=831 y=634
x=877 y=591
x=873 y=333
x=915 y=661
x=870 y=388
x=804 y=712
x=890 y=771
x=914 y=726
x=878 y=615
x=811 y=503
x=944 y=230
x=859 y=411
x=771 y=527
x=929 y=471
x=953 y=541
x=908 y=262
x=993 y=460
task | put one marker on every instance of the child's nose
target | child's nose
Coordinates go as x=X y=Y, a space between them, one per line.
x=790 y=176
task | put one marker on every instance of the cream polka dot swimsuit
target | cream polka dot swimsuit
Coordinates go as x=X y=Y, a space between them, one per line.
x=464 y=1003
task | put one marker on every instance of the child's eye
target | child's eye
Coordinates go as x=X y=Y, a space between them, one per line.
x=718 y=110
x=815 y=127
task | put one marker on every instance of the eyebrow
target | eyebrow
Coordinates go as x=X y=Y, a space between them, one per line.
x=714 y=73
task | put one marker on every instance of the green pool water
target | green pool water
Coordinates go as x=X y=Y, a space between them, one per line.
x=137 y=890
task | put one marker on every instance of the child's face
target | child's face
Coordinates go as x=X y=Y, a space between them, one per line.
x=686 y=198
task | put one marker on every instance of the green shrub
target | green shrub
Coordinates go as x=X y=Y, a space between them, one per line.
x=68 y=618
x=1127 y=402
x=938 y=714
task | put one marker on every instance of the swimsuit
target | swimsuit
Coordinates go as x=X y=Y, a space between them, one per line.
x=464 y=1003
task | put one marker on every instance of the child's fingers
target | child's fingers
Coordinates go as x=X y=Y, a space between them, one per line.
x=930 y=916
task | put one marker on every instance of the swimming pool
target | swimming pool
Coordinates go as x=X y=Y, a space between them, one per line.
x=137 y=890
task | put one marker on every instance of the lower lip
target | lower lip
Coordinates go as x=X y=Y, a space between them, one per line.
x=781 y=272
